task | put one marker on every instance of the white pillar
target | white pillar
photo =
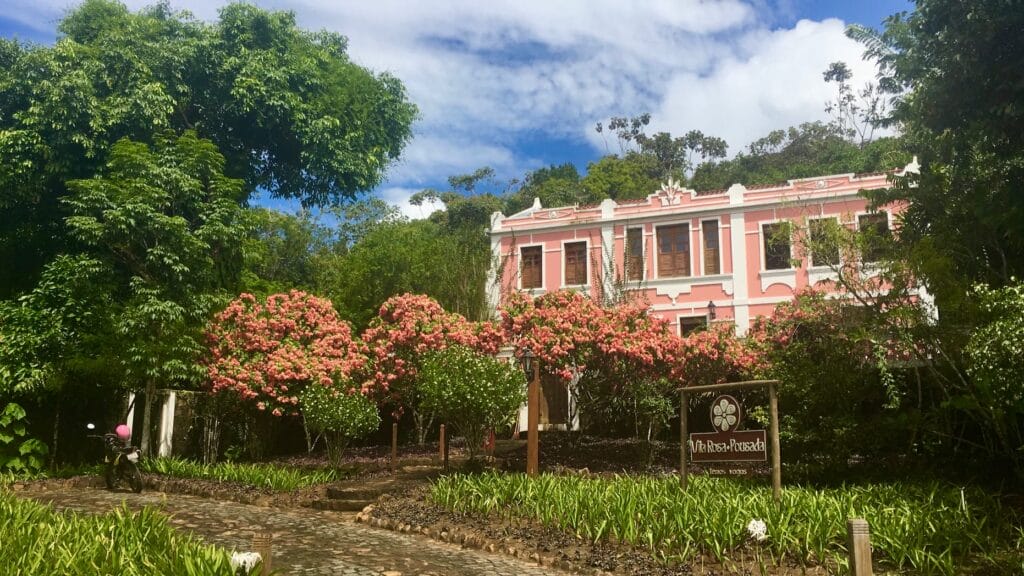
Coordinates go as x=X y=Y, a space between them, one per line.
x=738 y=239
x=167 y=425
x=131 y=413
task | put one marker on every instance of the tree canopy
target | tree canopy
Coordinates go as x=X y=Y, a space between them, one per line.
x=955 y=73
x=290 y=112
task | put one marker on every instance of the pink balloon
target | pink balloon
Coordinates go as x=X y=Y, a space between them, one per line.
x=123 y=431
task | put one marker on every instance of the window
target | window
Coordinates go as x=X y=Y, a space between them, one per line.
x=693 y=324
x=824 y=247
x=575 y=263
x=635 y=254
x=532 y=266
x=673 y=250
x=776 y=246
x=711 y=252
x=875 y=231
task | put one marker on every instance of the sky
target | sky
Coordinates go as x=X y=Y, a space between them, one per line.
x=520 y=84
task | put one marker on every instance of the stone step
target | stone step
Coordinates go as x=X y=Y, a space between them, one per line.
x=341 y=505
x=357 y=493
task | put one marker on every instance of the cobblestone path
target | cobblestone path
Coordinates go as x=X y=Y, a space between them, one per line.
x=306 y=541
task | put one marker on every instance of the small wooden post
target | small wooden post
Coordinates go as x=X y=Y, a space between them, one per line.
x=859 y=544
x=683 y=433
x=394 y=446
x=262 y=544
x=440 y=448
x=533 y=422
x=773 y=408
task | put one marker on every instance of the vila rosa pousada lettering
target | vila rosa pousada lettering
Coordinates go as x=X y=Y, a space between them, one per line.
x=733 y=445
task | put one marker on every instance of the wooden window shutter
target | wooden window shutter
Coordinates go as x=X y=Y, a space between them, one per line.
x=673 y=250
x=712 y=253
x=532 y=267
x=575 y=263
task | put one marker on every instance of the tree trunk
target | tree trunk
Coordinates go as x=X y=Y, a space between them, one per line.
x=56 y=428
x=211 y=438
x=422 y=423
x=147 y=412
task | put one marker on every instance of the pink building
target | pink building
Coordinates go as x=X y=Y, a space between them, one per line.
x=685 y=250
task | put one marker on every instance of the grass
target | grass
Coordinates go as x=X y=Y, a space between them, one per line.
x=928 y=528
x=260 y=475
x=40 y=541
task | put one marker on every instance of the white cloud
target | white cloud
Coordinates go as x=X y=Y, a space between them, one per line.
x=399 y=197
x=774 y=81
x=487 y=75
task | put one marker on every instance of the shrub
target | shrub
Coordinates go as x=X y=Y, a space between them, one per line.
x=995 y=363
x=19 y=453
x=339 y=415
x=471 y=392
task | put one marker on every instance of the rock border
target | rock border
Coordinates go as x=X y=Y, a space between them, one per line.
x=472 y=540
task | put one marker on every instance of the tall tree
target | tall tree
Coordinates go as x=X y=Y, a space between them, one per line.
x=955 y=71
x=811 y=149
x=288 y=109
x=168 y=224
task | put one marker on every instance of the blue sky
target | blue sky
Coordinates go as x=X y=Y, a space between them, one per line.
x=519 y=84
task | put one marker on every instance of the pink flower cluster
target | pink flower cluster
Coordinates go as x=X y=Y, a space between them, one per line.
x=570 y=333
x=410 y=326
x=268 y=351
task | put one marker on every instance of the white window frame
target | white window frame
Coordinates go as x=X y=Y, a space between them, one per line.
x=763 y=256
x=586 y=255
x=643 y=253
x=681 y=317
x=721 y=255
x=810 y=253
x=689 y=233
x=856 y=226
x=543 y=272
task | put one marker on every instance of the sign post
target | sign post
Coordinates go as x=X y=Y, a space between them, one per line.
x=727 y=444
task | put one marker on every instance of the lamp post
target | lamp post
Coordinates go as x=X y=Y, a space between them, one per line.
x=531 y=367
x=711 y=312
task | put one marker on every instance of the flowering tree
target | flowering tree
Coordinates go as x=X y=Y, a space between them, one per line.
x=473 y=392
x=268 y=352
x=407 y=328
x=843 y=392
x=622 y=359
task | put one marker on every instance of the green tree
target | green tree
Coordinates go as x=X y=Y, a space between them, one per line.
x=393 y=258
x=811 y=149
x=168 y=223
x=288 y=109
x=631 y=176
x=955 y=71
x=472 y=392
x=555 y=185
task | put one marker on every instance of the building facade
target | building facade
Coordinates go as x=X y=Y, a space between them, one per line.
x=735 y=252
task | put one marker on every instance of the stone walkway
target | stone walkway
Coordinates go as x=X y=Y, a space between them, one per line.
x=306 y=541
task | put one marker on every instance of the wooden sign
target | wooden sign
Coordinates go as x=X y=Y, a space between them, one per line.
x=726 y=420
x=728 y=444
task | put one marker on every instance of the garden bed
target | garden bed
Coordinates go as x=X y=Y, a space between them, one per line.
x=644 y=526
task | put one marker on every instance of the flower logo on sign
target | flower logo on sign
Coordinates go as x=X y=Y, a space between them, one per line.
x=725 y=413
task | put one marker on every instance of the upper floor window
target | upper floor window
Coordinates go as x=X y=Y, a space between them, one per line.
x=575 y=263
x=673 y=250
x=776 y=246
x=532 y=268
x=875 y=230
x=824 y=236
x=634 y=254
x=712 y=254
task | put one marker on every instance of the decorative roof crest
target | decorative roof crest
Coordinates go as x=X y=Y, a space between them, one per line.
x=671 y=193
